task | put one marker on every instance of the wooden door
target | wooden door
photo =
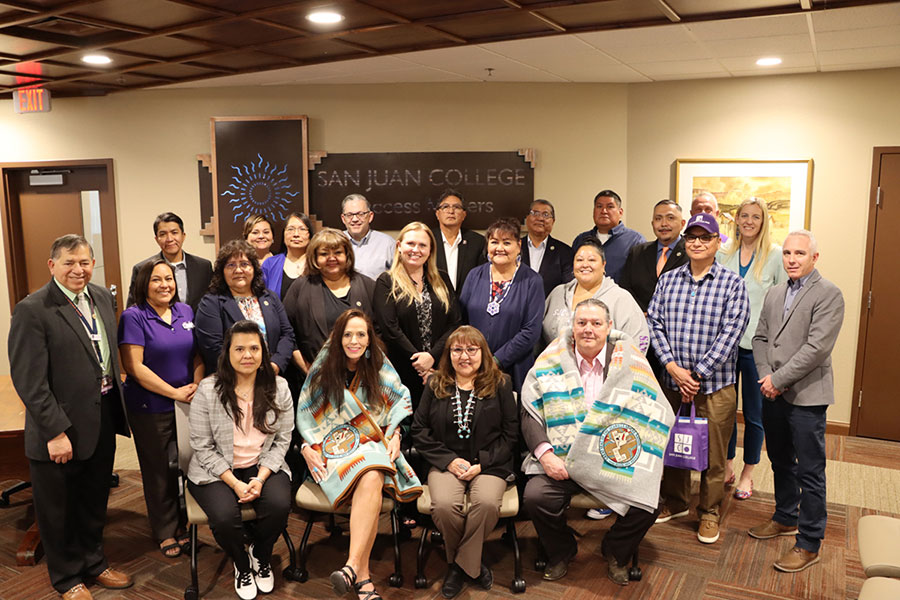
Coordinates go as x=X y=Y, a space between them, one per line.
x=876 y=412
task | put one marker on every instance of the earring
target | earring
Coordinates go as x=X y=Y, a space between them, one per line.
x=368 y=354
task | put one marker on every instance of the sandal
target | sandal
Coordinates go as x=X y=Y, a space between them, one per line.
x=362 y=594
x=172 y=550
x=744 y=494
x=409 y=522
x=184 y=540
x=343 y=580
x=730 y=480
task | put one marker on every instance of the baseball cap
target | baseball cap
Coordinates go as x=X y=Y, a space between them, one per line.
x=705 y=221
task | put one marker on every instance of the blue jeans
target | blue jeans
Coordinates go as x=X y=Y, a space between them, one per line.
x=796 y=446
x=752 y=409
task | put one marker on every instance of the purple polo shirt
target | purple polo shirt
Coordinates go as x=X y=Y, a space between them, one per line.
x=168 y=351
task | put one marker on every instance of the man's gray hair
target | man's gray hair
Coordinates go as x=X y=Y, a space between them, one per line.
x=709 y=195
x=813 y=244
x=592 y=302
x=545 y=203
x=70 y=243
x=352 y=198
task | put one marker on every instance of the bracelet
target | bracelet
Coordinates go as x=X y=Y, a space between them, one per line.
x=255 y=478
x=304 y=446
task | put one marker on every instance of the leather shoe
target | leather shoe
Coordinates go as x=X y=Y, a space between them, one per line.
x=617 y=574
x=77 y=592
x=453 y=582
x=557 y=570
x=796 y=560
x=114 y=580
x=485 y=579
x=771 y=529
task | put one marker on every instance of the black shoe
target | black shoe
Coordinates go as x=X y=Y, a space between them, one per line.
x=618 y=574
x=485 y=579
x=558 y=570
x=453 y=582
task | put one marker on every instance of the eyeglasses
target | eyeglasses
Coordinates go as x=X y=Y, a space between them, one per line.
x=469 y=350
x=451 y=208
x=540 y=214
x=357 y=215
x=243 y=266
x=296 y=230
x=703 y=239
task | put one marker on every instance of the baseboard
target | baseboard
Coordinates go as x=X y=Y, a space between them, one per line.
x=835 y=427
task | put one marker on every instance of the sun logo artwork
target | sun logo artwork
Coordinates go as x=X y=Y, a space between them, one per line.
x=340 y=441
x=620 y=445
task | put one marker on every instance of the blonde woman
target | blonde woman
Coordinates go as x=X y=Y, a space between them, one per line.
x=752 y=255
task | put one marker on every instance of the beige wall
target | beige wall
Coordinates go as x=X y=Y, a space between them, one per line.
x=833 y=118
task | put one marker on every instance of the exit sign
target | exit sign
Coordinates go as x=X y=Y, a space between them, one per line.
x=31 y=100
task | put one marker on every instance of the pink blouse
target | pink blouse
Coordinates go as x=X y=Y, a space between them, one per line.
x=248 y=440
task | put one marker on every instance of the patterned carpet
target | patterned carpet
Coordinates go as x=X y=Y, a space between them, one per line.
x=675 y=564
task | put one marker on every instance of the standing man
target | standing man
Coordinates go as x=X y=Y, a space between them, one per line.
x=458 y=250
x=373 y=251
x=706 y=202
x=697 y=317
x=797 y=329
x=615 y=238
x=549 y=257
x=192 y=273
x=65 y=368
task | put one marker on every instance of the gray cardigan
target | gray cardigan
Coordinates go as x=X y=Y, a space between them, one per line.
x=212 y=434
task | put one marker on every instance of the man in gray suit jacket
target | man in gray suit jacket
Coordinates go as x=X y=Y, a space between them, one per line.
x=798 y=327
x=64 y=365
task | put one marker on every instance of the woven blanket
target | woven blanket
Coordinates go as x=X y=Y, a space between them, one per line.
x=613 y=447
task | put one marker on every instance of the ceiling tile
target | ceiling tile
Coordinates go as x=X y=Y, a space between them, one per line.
x=877 y=55
x=860 y=17
x=608 y=13
x=472 y=61
x=663 y=52
x=788 y=61
x=679 y=67
x=687 y=8
x=779 y=71
x=551 y=52
x=21 y=47
x=643 y=36
x=858 y=38
x=763 y=46
x=750 y=28
x=166 y=47
x=151 y=14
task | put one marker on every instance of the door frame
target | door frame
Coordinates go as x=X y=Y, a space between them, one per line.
x=877 y=153
x=12 y=237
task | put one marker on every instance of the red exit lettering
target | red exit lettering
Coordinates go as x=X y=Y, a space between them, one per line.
x=32 y=100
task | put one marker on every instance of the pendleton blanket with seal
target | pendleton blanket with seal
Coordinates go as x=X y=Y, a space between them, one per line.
x=353 y=440
x=614 y=446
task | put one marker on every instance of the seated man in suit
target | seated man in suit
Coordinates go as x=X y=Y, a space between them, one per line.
x=551 y=258
x=798 y=326
x=458 y=250
x=192 y=273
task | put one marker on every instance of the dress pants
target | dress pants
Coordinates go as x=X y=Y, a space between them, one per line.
x=70 y=506
x=464 y=534
x=221 y=506
x=719 y=409
x=546 y=501
x=795 y=442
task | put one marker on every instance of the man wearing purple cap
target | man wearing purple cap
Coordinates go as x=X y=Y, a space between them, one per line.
x=697 y=317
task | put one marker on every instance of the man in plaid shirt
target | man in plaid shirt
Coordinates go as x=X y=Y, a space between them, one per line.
x=697 y=316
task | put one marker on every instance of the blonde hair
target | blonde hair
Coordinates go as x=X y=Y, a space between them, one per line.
x=402 y=286
x=763 y=244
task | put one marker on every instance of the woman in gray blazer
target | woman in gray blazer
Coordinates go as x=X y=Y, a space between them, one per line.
x=241 y=423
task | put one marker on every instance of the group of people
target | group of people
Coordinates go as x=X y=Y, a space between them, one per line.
x=491 y=356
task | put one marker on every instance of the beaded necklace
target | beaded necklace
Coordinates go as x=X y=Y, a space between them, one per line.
x=462 y=415
x=497 y=296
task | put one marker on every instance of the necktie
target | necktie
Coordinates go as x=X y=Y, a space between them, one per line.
x=83 y=305
x=662 y=261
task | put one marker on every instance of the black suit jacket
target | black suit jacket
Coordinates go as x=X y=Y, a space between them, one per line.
x=199 y=272
x=556 y=266
x=639 y=273
x=471 y=254
x=56 y=373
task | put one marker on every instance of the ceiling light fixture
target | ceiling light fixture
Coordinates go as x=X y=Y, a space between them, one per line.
x=325 y=17
x=96 y=59
x=769 y=61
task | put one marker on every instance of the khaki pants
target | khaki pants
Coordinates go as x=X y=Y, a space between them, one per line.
x=719 y=409
x=464 y=534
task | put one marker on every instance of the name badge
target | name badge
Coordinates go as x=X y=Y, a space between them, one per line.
x=188 y=325
x=106 y=384
x=95 y=337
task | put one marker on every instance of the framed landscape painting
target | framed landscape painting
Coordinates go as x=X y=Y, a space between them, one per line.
x=784 y=185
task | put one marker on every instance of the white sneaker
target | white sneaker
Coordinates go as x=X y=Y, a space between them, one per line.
x=243 y=584
x=262 y=573
x=598 y=514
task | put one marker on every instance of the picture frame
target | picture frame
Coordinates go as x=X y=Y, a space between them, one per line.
x=785 y=185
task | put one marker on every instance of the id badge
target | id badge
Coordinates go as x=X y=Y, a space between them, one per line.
x=106 y=384
x=95 y=337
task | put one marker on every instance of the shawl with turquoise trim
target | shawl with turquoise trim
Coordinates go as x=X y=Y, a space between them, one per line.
x=614 y=449
x=353 y=440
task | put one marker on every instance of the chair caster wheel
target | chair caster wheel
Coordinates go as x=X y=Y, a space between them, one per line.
x=395 y=580
x=290 y=574
x=540 y=564
x=190 y=594
x=302 y=576
x=421 y=582
x=437 y=538
x=518 y=586
x=635 y=574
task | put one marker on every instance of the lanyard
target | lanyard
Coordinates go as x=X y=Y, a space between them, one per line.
x=92 y=328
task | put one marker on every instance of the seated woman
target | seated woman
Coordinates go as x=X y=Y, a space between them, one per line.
x=466 y=427
x=349 y=413
x=283 y=269
x=258 y=233
x=160 y=355
x=237 y=292
x=505 y=302
x=590 y=282
x=241 y=422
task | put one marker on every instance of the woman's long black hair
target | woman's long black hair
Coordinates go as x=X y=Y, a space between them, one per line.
x=264 y=387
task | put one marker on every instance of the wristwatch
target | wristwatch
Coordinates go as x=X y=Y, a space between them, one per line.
x=696 y=376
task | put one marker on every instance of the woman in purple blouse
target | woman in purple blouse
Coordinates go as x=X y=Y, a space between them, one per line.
x=160 y=356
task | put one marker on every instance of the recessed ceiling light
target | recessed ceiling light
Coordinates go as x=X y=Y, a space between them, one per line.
x=325 y=17
x=96 y=59
x=769 y=61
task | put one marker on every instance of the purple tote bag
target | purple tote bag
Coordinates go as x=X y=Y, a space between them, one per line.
x=688 y=442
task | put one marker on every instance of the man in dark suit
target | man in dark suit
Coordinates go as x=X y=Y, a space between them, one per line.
x=798 y=327
x=64 y=365
x=458 y=250
x=192 y=273
x=551 y=258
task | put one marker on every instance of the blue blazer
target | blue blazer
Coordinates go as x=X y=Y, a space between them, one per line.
x=273 y=273
x=513 y=332
x=218 y=312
